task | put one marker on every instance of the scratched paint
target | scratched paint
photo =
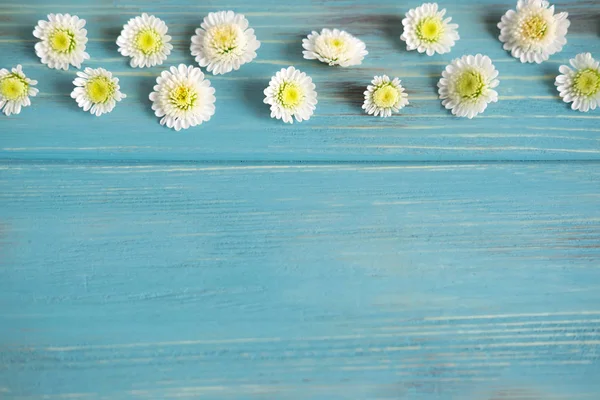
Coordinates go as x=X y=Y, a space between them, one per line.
x=324 y=281
x=347 y=257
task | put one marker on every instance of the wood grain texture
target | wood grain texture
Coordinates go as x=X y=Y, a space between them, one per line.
x=320 y=281
x=347 y=257
x=530 y=122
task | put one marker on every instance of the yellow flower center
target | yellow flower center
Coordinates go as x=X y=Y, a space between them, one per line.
x=386 y=96
x=290 y=95
x=148 y=41
x=587 y=82
x=100 y=89
x=535 y=28
x=225 y=38
x=470 y=84
x=13 y=87
x=183 y=97
x=337 y=42
x=62 y=41
x=430 y=29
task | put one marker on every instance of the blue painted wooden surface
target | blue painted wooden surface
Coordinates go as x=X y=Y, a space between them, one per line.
x=347 y=257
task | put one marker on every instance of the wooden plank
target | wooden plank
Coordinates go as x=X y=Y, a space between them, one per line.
x=529 y=123
x=300 y=281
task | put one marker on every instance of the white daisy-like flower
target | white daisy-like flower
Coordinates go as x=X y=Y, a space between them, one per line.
x=224 y=42
x=15 y=89
x=145 y=40
x=427 y=31
x=467 y=85
x=334 y=47
x=62 y=42
x=291 y=93
x=182 y=97
x=533 y=32
x=580 y=86
x=96 y=91
x=384 y=96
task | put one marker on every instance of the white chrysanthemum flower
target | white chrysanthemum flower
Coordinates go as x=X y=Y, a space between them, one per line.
x=427 y=31
x=62 y=42
x=15 y=89
x=467 y=85
x=580 y=85
x=96 y=91
x=533 y=32
x=384 y=96
x=291 y=93
x=145 y=40
x=334 y=47
x=224 y=42
x=182 y=97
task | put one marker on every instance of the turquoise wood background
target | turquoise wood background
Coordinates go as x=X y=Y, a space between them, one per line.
x=348 y=257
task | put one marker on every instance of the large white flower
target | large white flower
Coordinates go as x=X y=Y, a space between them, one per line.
x=224 y=42
x=533 y=32
x=384 y=96
x=580 y=85
x=62 y=42
x=467 y=85
x=145 y=40
x=15 y=89
x=291 y=93
x=96 y=91
x=182 y=97
x=334 y=47
x=427 y=31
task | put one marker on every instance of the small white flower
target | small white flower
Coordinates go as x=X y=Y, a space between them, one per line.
x=426 y=30
x=581 y=85
x=291 y=93
x=182 y=97
x=467 y=85
x=62 y=42
x=533 y=32
x=15 y=89
x=145 y=40
x=384 y=96
x=224 y=42
x=96 y=91
x=334 y=47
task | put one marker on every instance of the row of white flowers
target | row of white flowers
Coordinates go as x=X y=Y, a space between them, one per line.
x=224 y=42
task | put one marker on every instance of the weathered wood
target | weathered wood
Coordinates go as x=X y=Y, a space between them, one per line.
x=333 y=281
x=347 y=257
x=530 y=122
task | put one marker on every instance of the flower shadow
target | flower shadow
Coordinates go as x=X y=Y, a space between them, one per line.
x=434 y=74
x=583 y=21
x=144 y=88
x=25 y=33
x=62 y=86
x=391 y=27
x=491 y=24
x=549 y=79
x=183 y=46
x=254 y=97
x=550 y=74
x=353 y=94
x=293 y=52
x=111 y=46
